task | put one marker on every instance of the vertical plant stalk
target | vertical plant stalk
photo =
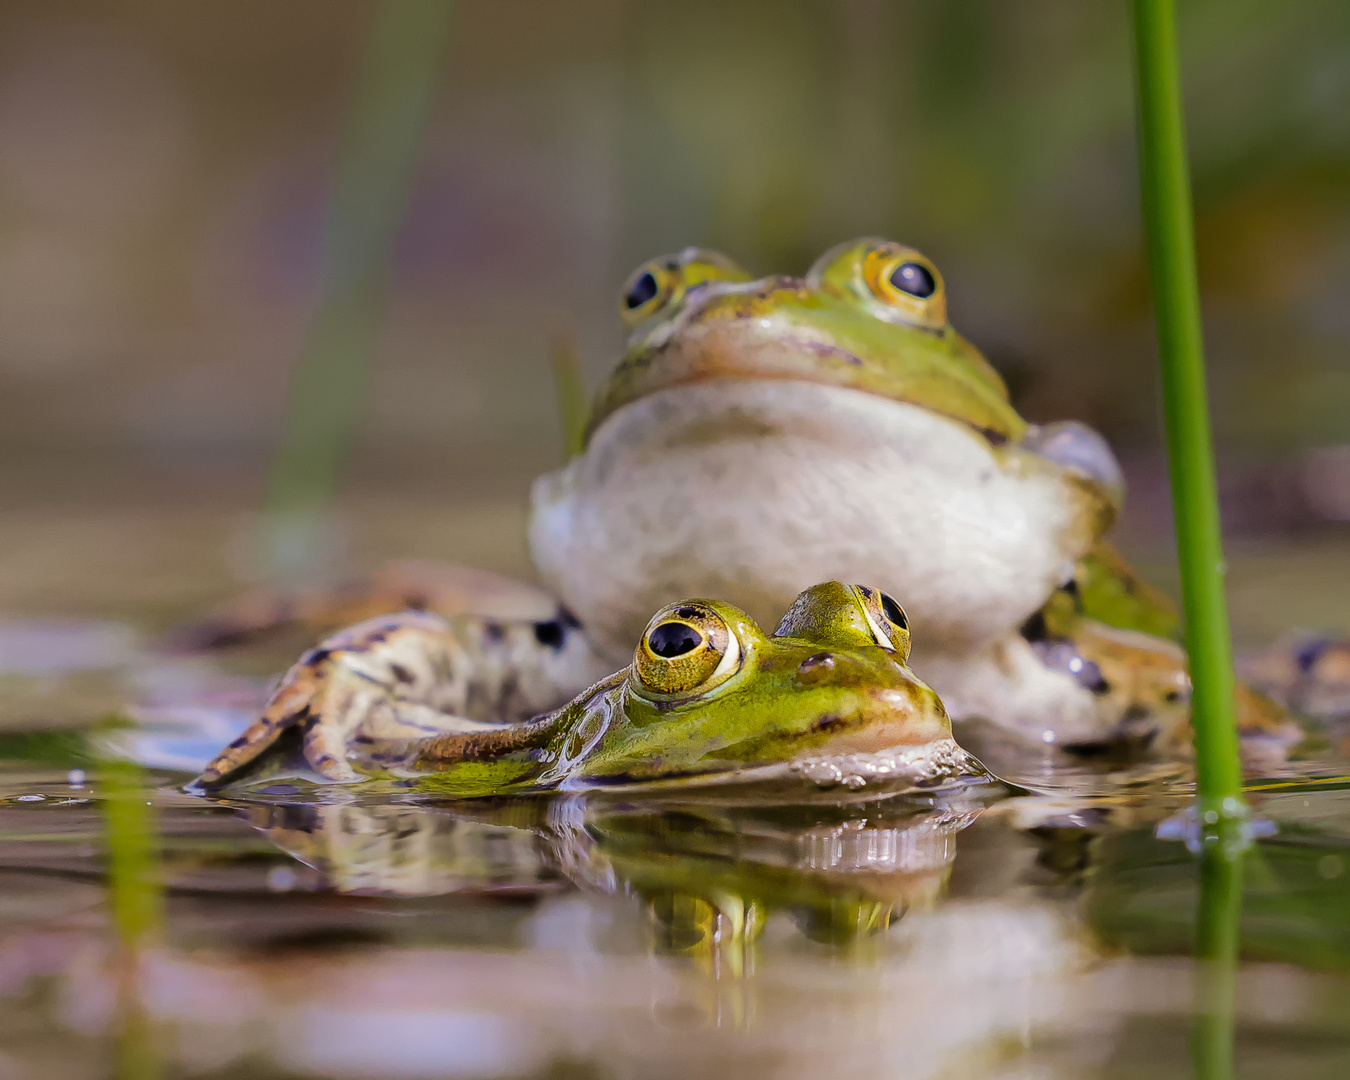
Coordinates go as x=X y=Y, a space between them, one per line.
x=374 y=175
x=135 y=897
x=1216 y=949
x=1165 y=184
x=573 y=405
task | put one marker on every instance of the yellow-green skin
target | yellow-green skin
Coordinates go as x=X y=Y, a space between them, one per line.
x=762 y=434
x=852 y=340
x=819 y=688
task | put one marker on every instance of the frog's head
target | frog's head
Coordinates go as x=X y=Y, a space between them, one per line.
x=709 y=692
x=870 y=314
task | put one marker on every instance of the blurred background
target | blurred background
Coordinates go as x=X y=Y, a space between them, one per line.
x=165 y=170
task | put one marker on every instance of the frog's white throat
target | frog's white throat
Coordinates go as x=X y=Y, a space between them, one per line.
x=752 y=490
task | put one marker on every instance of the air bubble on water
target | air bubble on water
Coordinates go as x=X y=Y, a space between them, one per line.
x=1047 y=736
x=75 y=778
x=282 y=879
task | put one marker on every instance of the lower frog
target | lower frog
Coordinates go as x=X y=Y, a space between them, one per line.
x=708 y=697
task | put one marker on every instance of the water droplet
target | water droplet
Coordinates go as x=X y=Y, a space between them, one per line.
x=75 y=778
x=282 y=879
x=31 y=798
x=1047 y=736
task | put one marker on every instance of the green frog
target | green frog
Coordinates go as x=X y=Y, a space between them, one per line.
x=762 y=434
x=707 y=697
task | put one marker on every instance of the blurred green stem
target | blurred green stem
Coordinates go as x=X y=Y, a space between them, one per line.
x=573 y=405
x=135 y=897
x=374 y=174
x=1165 y=184
x=1216 y=951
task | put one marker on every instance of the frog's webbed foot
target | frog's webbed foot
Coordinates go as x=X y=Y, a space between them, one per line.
x=399 y=586
x=400 y=681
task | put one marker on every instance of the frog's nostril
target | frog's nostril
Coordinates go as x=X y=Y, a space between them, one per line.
x=815 y=667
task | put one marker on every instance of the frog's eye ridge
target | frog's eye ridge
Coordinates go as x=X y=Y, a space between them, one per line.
x=643 y=290
x=915 y=279
x=672 y=639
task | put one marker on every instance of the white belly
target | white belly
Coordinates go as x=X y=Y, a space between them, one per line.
x=750 y=491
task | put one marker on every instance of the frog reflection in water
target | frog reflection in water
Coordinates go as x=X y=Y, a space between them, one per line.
x=710 y=871
x=708 y=697
x=761 y=435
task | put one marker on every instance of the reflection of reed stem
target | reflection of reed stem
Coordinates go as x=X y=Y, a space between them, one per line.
x=1216 y=950
x=374 y=174
x=135 y=896
x=1165 y=184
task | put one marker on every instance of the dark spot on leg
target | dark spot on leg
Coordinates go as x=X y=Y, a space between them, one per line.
x=829 y=723
x=1034 y=629
x=550 y=633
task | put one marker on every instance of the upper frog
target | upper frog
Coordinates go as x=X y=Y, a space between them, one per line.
x=758 y=435
x=707 y=694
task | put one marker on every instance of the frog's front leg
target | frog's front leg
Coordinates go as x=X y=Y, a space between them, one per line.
x=413 y=677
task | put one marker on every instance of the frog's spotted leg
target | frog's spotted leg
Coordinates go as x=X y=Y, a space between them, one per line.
x=409 y=585
x=413 y=677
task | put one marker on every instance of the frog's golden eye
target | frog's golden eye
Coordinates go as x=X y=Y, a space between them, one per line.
x=893 y=282
x=907 y=283
x=663 y=282
x=886 y=619
x=648 y=290
x=914 y=279
x=686 y=647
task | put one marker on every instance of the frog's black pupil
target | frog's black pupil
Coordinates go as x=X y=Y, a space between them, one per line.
x=893 y=612
x=913 y=279
x=673 y=639
x=644 y=288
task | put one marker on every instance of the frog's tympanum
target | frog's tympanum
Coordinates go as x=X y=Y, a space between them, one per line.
x=708 y=696
x=761 y=435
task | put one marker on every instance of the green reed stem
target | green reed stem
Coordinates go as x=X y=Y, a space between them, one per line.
x=374 y=175
x=1216 y=950
x=573 y=406
x=1165 y=184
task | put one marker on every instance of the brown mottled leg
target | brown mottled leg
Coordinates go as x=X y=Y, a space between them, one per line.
x=411 y=677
